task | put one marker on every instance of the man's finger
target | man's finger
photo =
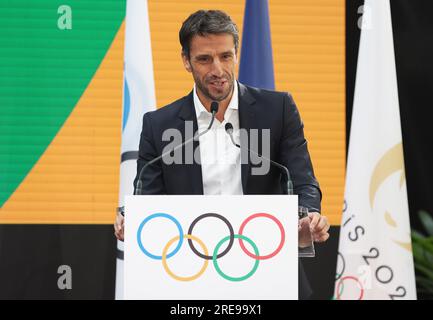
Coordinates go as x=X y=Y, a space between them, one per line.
x=322 y=224
x=322 y=238
x=119 y=235
x=314 y=219
x=119 y=218
x=325 y=229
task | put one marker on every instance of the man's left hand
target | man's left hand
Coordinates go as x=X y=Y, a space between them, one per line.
x=319 y=227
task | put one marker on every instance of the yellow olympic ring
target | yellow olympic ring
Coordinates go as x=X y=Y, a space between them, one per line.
x=164 y=258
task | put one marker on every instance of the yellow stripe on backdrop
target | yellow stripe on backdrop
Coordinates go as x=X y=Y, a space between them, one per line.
x=76 y=179
x=308 y=39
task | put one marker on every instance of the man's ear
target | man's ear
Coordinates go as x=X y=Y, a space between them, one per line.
x=186 y=62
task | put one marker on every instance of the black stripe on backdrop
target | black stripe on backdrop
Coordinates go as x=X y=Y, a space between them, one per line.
x=129 y=155
x=30 y=257
x=120 y=254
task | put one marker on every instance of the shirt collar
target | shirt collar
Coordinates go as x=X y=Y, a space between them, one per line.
x=200 y=110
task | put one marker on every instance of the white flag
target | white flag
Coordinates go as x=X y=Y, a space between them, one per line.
x=375 y=253
x=138 y=98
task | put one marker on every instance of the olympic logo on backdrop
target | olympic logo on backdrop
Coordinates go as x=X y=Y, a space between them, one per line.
x=340 y=286
x=215 y=253
x=340 y=279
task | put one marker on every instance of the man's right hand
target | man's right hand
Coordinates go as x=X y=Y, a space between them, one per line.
x=119 y=227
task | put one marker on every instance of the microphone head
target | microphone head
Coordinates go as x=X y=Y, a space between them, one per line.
x=229 y=128
x=214 y=107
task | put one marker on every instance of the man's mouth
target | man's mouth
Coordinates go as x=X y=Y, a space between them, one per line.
x=219 y=84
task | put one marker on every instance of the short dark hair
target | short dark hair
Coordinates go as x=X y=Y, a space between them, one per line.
x=204 y=22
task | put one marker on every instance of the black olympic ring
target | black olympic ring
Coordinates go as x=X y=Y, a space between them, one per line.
x=231 y=240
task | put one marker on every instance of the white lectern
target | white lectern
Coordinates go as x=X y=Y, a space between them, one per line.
x=211 y=247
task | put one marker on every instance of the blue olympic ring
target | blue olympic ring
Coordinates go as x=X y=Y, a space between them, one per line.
x=162 y=215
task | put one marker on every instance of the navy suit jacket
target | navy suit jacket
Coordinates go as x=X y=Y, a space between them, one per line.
x=258 y=109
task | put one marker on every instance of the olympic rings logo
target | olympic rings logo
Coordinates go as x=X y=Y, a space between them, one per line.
x=205 y=254
x=340 y=280
x=340 y=286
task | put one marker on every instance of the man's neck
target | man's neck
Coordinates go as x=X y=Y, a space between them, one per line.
x=222 y=105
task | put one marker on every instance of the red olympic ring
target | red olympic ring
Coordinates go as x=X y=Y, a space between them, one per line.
x=280 y=246
x=351 y=278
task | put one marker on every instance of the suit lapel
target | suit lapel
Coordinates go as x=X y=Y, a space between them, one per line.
x=247 y=121
x=187 y=113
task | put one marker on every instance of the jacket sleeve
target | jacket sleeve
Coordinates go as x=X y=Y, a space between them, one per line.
x=152 y=175
x=293 y=153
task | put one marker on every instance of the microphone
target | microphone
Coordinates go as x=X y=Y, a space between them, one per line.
x=214 y=109
x=229 y=130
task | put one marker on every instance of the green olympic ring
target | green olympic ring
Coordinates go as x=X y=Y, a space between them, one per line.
x=218 y=269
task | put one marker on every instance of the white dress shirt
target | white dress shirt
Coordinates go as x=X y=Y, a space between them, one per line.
x=220 y=159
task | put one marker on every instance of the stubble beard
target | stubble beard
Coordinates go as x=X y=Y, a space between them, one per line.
x=207 y=93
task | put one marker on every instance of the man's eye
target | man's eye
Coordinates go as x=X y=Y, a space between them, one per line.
x=203 y=59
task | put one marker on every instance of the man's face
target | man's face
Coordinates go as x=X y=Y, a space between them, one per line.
x=212 y=63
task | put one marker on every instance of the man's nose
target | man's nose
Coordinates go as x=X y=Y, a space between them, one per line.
x=217 y=69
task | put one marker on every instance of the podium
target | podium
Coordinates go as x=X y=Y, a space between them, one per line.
x=211 y=247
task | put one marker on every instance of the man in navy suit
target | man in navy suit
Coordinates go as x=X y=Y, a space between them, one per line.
x=209 y=42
